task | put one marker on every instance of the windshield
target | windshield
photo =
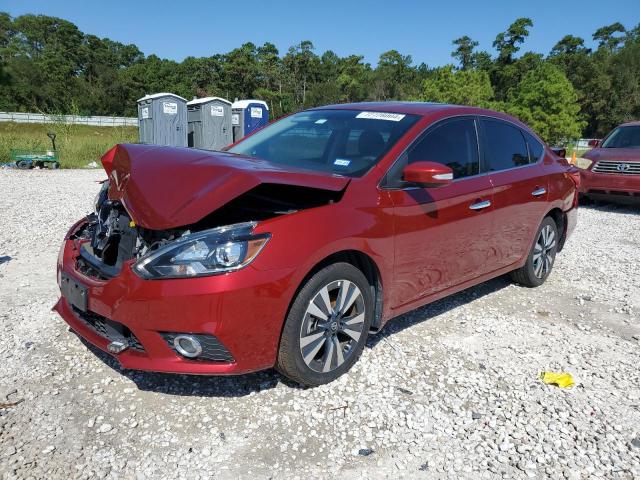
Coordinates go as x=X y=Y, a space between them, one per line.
x=344 y=142
x=623 y=137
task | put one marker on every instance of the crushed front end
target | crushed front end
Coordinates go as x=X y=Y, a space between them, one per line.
x=217 y=324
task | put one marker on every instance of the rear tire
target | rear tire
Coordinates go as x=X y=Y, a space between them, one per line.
x=327 y=326
x=541 y=257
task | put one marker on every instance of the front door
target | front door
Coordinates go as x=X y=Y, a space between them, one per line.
x=443 y=236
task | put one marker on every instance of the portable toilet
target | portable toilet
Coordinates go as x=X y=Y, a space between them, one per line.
x=162 y=119
x=209 y=123
x=247 y=116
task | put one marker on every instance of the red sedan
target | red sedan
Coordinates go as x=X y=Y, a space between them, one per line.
x=304 y=238
x=612 y=169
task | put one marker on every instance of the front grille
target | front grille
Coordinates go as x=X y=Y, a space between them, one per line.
x=109 y=329
x=212 y=349
x=617 y=167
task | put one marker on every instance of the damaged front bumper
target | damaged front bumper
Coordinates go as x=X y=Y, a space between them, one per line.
x=238 y=316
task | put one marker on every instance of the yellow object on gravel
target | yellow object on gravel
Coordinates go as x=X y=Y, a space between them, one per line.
x=562 y=380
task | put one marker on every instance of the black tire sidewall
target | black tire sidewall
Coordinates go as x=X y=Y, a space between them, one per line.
x=290 y=361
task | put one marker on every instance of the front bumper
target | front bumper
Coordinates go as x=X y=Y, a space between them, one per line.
x=609 y=184
x=244 y=310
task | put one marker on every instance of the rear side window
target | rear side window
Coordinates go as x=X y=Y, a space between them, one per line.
x=504 y=146
x=453 y=144
x=536 y=149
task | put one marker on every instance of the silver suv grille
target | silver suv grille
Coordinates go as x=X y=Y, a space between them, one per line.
x=619 y=168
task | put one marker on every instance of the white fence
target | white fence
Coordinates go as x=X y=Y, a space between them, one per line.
x=75 y=119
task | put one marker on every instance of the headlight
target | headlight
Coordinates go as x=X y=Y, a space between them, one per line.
x=583 y=163
x=209 y=252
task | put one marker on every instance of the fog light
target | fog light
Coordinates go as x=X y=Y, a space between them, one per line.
x=117 y=347
x=187 y=346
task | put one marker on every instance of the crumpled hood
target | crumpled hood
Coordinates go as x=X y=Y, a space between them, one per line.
x=620 y=154
x=169 y=187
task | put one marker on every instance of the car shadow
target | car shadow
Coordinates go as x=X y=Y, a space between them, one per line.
x=242 y=385
x=431 y=310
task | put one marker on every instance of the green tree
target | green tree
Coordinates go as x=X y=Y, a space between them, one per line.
x=462 y=87
x=508 y=43
x=607 y=38
x=301 y=66
x=546 y=101
x=568 y=45
x=464 y=52
x=393 y=76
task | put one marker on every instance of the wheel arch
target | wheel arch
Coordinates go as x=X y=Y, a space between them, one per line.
x=362 y=262
x=560 y=219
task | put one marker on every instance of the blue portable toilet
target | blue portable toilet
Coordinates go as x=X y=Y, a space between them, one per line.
x=247 y=116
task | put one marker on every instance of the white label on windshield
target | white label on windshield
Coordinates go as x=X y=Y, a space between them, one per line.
x=392 y=117
x=321 y=121
x=341 y=162
x=217 y=111
x=170 y=108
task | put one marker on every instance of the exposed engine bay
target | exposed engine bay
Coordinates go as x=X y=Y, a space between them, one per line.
x=111 y=237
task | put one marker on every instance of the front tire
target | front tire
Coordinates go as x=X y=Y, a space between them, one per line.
x=327 y=326
x=541 y=257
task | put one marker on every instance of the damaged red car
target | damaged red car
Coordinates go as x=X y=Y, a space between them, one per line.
x=293 y=246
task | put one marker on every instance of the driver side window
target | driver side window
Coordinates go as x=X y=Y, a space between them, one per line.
x=454 y=144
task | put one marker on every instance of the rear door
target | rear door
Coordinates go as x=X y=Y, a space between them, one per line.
x=513 y=160
x=442 y=235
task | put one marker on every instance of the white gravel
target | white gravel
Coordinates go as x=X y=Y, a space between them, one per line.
x=448 y=391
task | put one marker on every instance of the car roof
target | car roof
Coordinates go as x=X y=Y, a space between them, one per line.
x=634 y=123
x=419 y=108
x=426 y=109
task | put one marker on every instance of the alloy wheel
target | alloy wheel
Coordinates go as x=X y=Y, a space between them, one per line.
x=332 y=326
x=544 y=252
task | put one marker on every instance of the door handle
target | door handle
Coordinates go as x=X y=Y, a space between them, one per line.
x=539 y=191
x=480 y=205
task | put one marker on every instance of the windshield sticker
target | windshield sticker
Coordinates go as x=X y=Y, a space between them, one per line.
x=341 y=162
x=321 y=121
x=392 y=117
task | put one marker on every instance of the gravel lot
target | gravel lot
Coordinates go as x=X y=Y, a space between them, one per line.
x=448 y=391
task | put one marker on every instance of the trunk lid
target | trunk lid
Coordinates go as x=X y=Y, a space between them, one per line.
x=169 y=187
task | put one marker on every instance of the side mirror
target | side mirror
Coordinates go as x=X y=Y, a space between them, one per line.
x=559 y=151
x=428 y=174
x=593 y=143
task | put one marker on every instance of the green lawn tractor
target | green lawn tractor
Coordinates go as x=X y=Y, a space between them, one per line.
x=26 y=159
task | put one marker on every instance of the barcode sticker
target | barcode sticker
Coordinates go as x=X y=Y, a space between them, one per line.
x=391 y=117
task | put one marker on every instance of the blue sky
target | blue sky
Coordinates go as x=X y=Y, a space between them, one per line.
x=422 y=29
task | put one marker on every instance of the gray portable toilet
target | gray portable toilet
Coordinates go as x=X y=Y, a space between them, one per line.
x=162 y=119
x=247 y=116
x=209 y=123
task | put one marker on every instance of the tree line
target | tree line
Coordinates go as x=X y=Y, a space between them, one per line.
x=47 y=64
